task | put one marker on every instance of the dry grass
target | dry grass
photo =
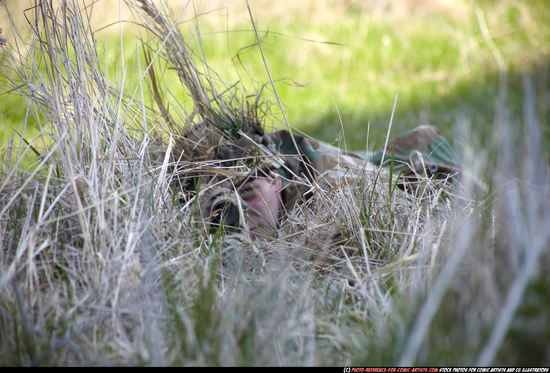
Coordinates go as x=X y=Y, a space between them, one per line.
x=104 y=260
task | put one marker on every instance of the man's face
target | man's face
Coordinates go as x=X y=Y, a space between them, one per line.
x=263 y=198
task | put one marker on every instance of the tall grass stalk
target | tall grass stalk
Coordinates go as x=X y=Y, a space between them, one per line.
x=105 y=258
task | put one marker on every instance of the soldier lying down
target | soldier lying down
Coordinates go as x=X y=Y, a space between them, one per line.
x=285 y=165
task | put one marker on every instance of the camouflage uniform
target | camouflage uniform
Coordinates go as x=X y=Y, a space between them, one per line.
x=300 y=161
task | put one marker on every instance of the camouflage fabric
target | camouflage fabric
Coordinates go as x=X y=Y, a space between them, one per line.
x=421 y=152
x=300 y=161
x=314 y=160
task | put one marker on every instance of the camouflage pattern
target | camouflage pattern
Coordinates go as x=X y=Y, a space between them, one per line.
x=312 y=161
x=419 y=153
x=300 y=162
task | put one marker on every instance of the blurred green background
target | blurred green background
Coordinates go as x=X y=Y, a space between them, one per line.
x=339 y=65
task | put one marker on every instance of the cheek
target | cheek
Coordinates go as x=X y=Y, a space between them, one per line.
x=263 y=198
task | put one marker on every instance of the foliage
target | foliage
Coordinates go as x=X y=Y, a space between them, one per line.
x=104 y=261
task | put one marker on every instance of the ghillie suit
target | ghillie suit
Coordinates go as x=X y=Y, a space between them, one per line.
x=413 y=157
x=227 y=163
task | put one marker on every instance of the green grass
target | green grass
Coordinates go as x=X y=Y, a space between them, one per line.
x=102 y=262
x=439 y=64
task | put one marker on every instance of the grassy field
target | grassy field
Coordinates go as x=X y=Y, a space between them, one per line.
x=102 y=262
x=341 y=67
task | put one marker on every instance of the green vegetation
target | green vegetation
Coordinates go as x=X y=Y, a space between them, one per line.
x=105 y=260
x=343 y=66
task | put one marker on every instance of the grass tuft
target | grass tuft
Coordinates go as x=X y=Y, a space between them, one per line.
x=106 y=257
